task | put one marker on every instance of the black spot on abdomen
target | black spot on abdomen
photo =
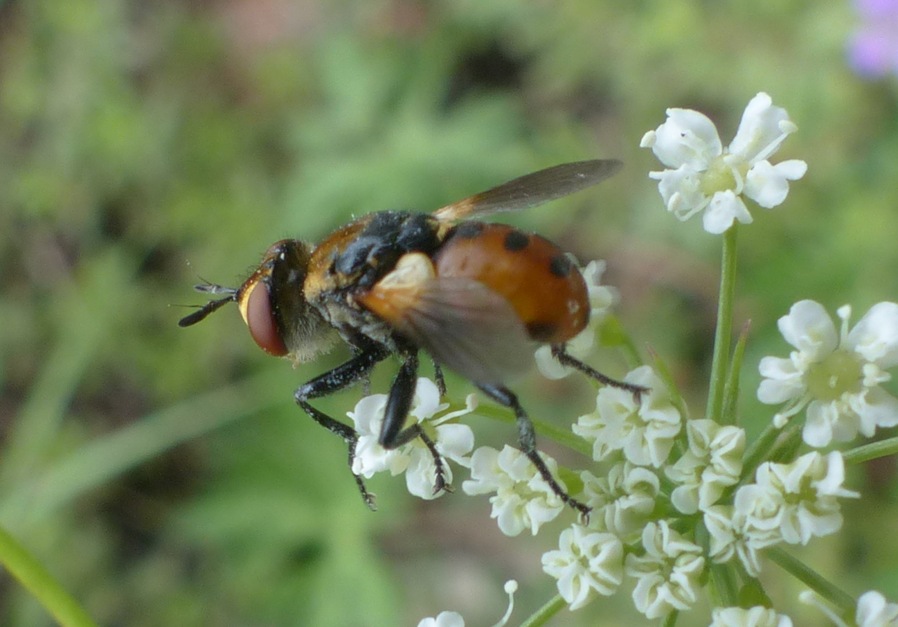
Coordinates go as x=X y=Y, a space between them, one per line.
x=541 y=331
x=560 y=265
x=515 y=241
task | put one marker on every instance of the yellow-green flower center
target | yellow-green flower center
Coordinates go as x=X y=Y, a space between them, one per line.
x=840 y=373
x=718 y=177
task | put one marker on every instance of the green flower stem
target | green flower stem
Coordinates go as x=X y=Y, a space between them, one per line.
x=557 y=434
x=787 y=446
x=807 y=575
x=546 y=612
x=39 y=582
x=724 y=331
x=759 y=449
x=731 y=390
x=676 y=398
x=874 y=450
x=611 y=333
x=723 y=588
x=723 y=585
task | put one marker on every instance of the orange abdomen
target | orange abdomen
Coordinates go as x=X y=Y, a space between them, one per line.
x=542 y=284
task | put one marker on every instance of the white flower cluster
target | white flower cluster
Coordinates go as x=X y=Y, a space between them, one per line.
x=630 y=531
x=788 y=503
x=835 y=374
x=705 y=176
x=712 y=463
x=522 y=499
x=668 y=480
x=586 y=562
x=453 y=441
x=642 y=429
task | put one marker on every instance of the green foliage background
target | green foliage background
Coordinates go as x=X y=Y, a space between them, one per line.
x=165 y=475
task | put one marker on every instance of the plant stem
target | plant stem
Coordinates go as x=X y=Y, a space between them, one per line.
x=731 y=390
x=545 y=429
x=874 y=450
x=812 y=578
x=39 y=582
x=547 y=611
x=764 y=447
x=722 y=585
x=724 y=331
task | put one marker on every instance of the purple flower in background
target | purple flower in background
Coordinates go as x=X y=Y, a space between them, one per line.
x=873 y=49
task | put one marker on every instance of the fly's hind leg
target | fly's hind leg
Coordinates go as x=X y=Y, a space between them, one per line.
x=527 y=440
x=342 y=376
x=559 y=352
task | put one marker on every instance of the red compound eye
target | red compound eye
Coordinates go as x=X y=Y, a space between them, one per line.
x=255 y=306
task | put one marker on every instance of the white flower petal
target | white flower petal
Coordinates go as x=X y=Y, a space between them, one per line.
x=873 y=610
x=875 y=336
x=757 y=616
x=768 y=185
x=426 y=401
x=818 y=428
x=761 y=129
x=782 y=381
x=681 y=191
x=725 y=208
x=831 y=483
x=792 y=169
x=420 y=472
x=443 y=619
x=809 y=328
x=548 y=366
x=454 y=441
x=686 y=138
x=368 y=413
x=876 y=408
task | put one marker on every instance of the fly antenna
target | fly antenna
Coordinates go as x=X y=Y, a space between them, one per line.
x=212 y=305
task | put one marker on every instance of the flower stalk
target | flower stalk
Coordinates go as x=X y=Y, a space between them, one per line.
x=871 y=451
x=543 y=615
x=724 y=330
x=816 y=582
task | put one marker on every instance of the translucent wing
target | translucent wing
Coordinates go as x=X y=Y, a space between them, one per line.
x=460 y=322
x=532 y=189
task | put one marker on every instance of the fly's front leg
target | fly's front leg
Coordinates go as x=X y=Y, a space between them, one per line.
x=527 y=440
x=340 y=377
x=399 y=402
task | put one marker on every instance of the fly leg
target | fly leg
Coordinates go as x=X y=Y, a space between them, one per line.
x=527 y=440
x=559 y=352
x=340 y=377
x=399 y=402
x=438 y=377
